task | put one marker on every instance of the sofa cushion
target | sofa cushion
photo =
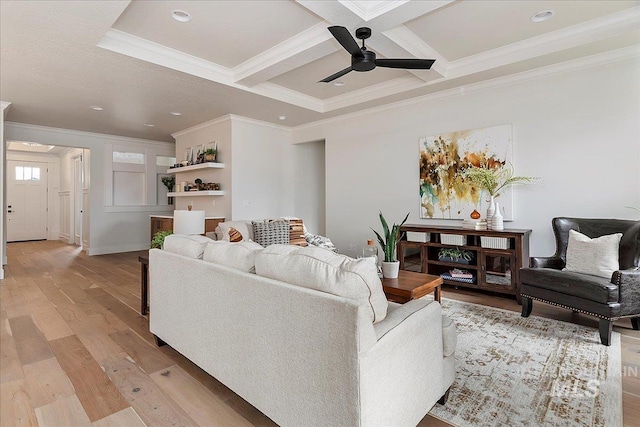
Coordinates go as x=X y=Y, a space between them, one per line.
x=449 y=336
x=598 y=256
x=587 y=286
x=240 y=255
x=271 y=232
x=189 y=246
x=243 y=227
x=325 y=271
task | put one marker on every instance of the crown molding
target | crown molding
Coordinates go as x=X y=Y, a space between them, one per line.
x=85 y=134
x=204 y=125
x=280 y=58
x=257 y=122
x=136 y=47
x=370 y=93
x=409 y=41
x=598 y=29
x=229 y=118
x=605 y=58
x=368 y=10
x=289 y=96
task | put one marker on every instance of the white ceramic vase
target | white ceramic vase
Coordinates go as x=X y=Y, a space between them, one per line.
x=497 y=220
x=491 y=210
x=390 y=269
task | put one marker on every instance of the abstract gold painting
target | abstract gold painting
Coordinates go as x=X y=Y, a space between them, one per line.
x=444 y=159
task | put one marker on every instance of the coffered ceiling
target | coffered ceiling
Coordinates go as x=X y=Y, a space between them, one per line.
x=263 y=59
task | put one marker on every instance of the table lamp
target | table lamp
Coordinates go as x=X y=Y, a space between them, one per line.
x=188 y=222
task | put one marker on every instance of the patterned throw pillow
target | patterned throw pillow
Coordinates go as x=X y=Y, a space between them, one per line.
x=234 y=235
x=271 y=233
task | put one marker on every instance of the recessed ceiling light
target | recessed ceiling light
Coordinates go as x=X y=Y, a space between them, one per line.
x=32 y=144
x=282 y=117
x=175 y=113
x=180 y=16
x=338 y=83
x=542 y=16
x=96 y=108
x=149 y=125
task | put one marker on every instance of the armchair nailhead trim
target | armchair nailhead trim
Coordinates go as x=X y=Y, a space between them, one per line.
x=571 y=308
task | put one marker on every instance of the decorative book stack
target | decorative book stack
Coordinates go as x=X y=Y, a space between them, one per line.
x=462 y=274
x=474 y=224
x=458 y=275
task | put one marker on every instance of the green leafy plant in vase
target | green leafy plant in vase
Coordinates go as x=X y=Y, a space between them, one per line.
x=457 y=255
x=169 y=182
x=209 y=155
x=492 y=180
x=388 y=243
x=158 y=239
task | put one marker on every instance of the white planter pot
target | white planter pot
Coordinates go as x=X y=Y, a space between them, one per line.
x=390 y=269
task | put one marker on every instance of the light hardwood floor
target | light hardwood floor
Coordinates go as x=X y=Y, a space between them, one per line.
x=75 y=350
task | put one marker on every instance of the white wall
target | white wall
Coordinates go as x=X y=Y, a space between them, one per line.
x=309 y=185
x=578 y=131
x=111 y=229
x=4 y=107
x=218 y=130
x=258 y=165
x=53 y=185
x=262 y=170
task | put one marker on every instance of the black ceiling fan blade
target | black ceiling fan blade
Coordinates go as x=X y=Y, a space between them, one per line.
x=336 y=75
x=412 y=64
x=347 y=41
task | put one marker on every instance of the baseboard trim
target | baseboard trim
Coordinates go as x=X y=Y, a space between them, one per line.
x=117 y=249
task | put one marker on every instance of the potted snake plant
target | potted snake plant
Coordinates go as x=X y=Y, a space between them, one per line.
x=389 y=242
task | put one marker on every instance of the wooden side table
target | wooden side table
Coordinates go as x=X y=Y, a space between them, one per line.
x=144 y=283
x=411 y=285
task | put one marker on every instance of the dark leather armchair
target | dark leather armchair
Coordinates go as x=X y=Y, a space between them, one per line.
x=608 y=299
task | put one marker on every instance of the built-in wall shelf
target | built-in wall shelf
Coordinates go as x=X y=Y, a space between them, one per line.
x=197 y=193
x=208 y=165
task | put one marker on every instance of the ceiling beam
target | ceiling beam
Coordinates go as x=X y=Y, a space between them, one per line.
x=313 y=43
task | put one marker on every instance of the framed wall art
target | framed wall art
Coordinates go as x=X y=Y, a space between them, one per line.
x=444 y=158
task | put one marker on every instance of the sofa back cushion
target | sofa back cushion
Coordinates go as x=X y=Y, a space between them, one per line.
x=325 y=271
x=189 y=246
x=241 y=255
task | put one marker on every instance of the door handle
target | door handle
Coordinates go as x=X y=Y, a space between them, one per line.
x=9 y=211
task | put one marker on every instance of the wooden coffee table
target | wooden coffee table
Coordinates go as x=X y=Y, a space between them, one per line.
x=411 y=285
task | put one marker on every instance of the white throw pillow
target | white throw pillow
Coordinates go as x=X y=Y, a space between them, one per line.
x=598 y=256
x=325 y=271
x=240 y=255
x=189 y=246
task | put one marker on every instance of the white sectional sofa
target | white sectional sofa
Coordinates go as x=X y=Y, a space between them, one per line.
x=339 y=356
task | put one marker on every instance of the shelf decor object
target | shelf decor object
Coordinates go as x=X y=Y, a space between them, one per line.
x=452 y=239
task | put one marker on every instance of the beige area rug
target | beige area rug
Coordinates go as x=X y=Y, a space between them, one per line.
x=515 y=371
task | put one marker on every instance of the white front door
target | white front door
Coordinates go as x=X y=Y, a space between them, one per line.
x=26 y=201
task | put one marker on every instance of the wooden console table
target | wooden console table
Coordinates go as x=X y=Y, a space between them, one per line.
x=493 y=269
x=411 y=285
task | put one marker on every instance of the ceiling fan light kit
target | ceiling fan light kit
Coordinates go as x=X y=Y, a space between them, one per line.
x=363 y=59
